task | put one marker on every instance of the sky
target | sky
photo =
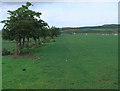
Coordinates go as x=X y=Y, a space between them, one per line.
x=69 y=14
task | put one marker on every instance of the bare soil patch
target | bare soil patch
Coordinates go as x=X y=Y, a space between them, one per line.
x=24 y=55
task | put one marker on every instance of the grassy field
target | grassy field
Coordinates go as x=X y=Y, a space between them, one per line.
x=73 y=61
x=91 y=30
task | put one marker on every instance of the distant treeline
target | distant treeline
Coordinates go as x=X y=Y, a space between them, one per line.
x=108 y=28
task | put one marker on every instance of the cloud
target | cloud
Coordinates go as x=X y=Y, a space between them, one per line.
x=71 y=14
x=60 y=0
x=93 y=14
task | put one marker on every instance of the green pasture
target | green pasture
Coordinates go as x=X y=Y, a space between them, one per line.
x=71 y=62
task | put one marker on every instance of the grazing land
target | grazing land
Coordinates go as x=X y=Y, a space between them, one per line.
x=73 y=61
x=106 y=28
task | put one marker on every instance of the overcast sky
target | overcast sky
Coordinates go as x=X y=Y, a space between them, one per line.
x=70 y=14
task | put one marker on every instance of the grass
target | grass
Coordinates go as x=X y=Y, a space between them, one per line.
x=72 y=62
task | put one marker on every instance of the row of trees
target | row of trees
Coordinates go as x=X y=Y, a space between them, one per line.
x=24 y=24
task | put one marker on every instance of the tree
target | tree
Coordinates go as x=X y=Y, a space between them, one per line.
x=22 y=24
x=41 y=31
x=54 y=32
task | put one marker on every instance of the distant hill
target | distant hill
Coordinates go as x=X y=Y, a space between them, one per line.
x=107 y=28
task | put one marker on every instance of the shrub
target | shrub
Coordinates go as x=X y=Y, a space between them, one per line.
x=6 y=52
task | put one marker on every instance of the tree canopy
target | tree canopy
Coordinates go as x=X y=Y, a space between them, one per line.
x=23 y=24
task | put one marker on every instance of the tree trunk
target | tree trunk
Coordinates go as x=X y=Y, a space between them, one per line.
x=35 y=41
x=27 y=42
x=52 y=36
x=18 y=47
x=23 y=42
x=20 y=44
x=39 y=41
